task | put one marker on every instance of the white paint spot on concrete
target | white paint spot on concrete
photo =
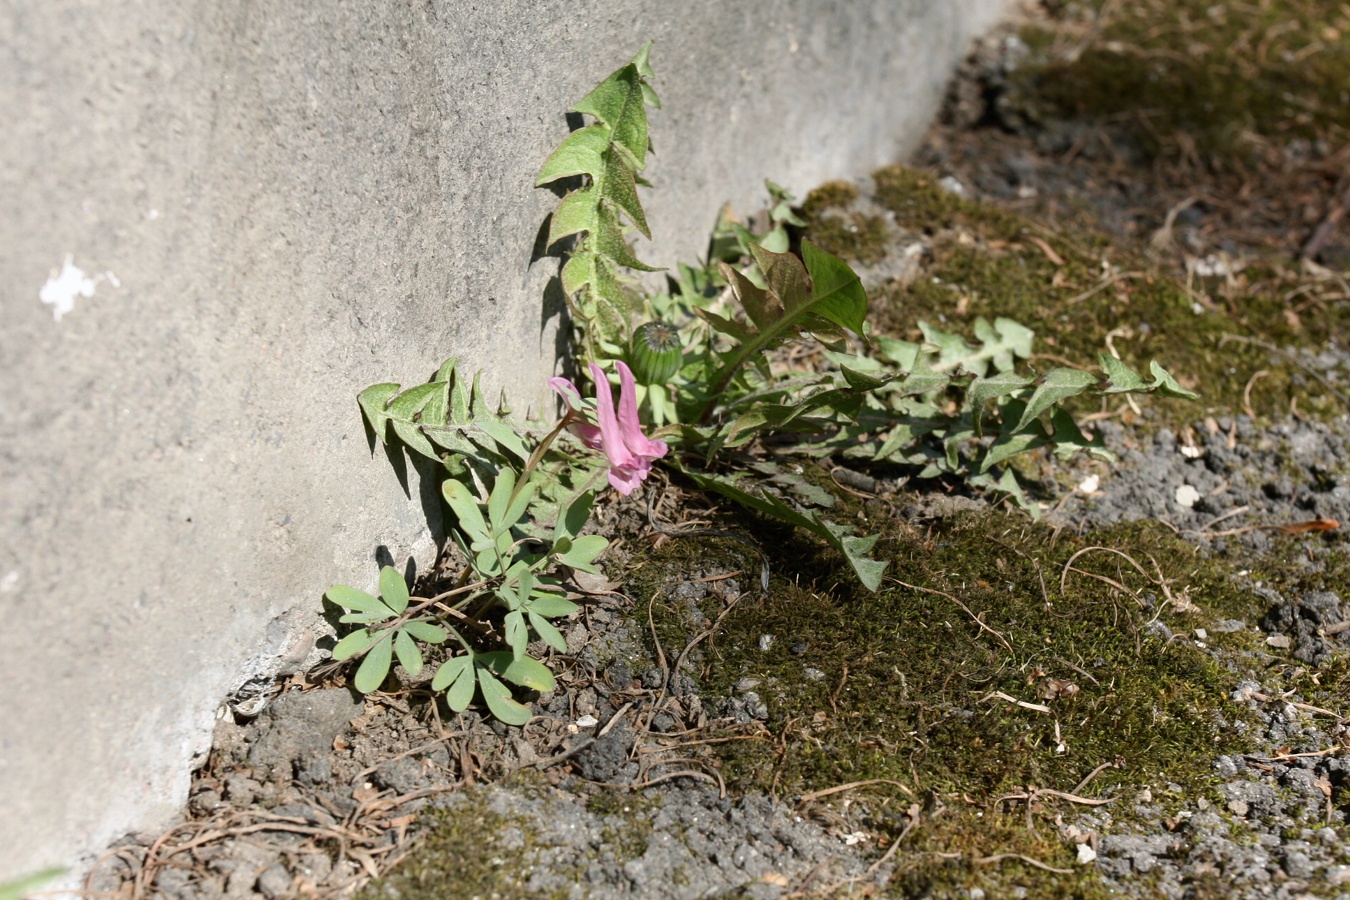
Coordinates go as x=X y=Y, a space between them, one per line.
x=1187 y=496
x=63 y=287
x=9 y=582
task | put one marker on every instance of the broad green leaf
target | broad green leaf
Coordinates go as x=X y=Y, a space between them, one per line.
x=351 y=598
x=374 y=667
x=1012 y=443
x=573 y=516
x=499 y=498
x=460 y=693
x=1058 y=385
x=466 y=510
x=581 y=555
x=352 y=644
x=450 y=670
x=1069 y=439
x=552 y=606
x=902 y=353
x=408 y=655
x=393 y=589
x=524 y=671
x=365 y=618
x=499 y=700
x=550 y=635
x=836 y=291
x=426 y=632
x=515 y=632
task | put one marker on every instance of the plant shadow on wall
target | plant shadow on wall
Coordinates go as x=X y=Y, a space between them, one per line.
x=751 y=361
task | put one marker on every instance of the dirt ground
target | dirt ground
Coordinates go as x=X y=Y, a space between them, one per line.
x=1145 y=692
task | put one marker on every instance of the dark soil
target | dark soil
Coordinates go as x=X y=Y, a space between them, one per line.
x=1145 y=693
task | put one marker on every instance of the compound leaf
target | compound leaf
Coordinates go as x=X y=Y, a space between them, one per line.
x=374 y=667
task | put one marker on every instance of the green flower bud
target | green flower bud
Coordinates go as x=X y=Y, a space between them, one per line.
x=655 y=353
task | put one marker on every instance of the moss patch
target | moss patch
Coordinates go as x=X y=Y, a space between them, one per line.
x=1193 y=76
x=908 y=686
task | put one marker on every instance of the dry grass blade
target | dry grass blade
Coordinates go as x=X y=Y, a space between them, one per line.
x=976 y=619
x=852 y=785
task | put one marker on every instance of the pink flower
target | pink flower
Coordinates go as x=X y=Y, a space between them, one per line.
x=630 y=452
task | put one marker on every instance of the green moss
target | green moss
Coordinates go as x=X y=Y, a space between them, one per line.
x=463 y=852
x=985 y=262
x=1195 y=76
x=830 y=195
x=906 y=685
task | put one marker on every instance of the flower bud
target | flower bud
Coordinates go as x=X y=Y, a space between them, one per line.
x=655 y=352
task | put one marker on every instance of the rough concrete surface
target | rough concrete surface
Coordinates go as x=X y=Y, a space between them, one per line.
x=266 y=207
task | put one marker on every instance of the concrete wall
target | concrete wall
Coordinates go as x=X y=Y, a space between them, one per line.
x=274 y=204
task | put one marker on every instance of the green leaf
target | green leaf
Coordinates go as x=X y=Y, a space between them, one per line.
x=450 y=670
x=836 y=291
x=351 y=598
x=797 y=297
x=573 y=516
x=551 y=605
x=426 y=632
x=504 y=435
x=365 y=618
x=1123 y=379
x=499 y=498
x=408 y=654
x=551 y=635
x=499 y=700
x=578 y=154
x=467 y=512
x=853 y=548
x=352 y=644
x=524 y=671
x=374 y=667
x=393 y=589
x=1058 y=385
x=373 y=402
x=515 y=632
x=618 y=102
x=457 y=677
x=581 y=555
x=1166 y=385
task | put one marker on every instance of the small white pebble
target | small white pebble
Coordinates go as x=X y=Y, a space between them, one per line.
x=587 y=721
x=1086 y=854
x=765 y=642
x=1090 y=484
x=1187 y=496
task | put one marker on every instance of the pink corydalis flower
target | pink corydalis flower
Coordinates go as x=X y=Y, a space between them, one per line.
x=619 y=435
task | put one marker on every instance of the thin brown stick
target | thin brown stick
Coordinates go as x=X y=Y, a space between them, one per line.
x=1003 y=857
x=852 y=785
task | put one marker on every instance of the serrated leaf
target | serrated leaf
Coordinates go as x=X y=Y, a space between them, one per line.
x=1166 y=385
x=1123 y=379
x=499 y=700
x=608 y=240
x=374 y=667
x=619 y=103
x=982 y=390
x=578 y=154
x=352 y=644
x=547 y=632
x=351 y=598
x=393 y=589
x=408 y=655
x=524 y=671
x=373 y=402
x=1058 y=385
x=836 y=291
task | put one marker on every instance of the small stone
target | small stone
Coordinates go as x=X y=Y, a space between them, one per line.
x=1086 y=854
x=765 y=642
x=1187 y=496
x=1278 y=641
x=274 y=882
x=812 y=674
x=1239 y=808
